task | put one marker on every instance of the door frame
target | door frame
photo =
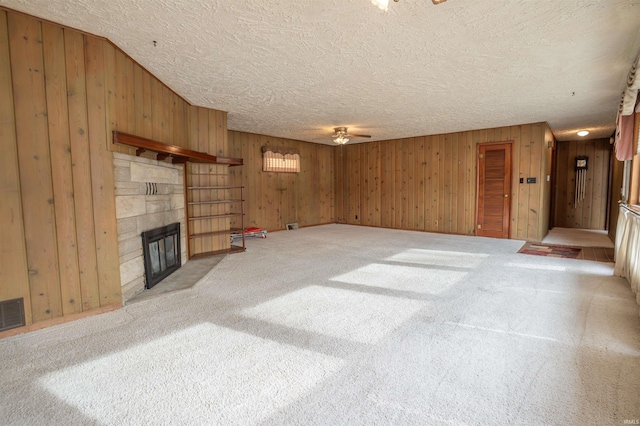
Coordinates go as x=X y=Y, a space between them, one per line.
x=509 y=178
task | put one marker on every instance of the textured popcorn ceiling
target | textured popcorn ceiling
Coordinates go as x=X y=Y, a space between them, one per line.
x=297 y=69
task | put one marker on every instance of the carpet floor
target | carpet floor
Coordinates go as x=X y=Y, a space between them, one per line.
x=347 y=325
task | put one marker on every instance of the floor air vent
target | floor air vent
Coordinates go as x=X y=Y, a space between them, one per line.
x=11 y=314
x=292 y=226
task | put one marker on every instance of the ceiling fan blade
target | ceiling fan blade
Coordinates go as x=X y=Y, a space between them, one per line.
x=358 y=136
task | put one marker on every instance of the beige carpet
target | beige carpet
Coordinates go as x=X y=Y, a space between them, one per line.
x=345 y=325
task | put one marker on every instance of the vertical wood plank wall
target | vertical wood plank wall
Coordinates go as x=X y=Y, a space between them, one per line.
x=429 y=183
x=275 y=199
x=63 y=93
x=591 y=213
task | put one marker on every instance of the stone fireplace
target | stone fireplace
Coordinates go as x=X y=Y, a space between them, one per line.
x=149 y=195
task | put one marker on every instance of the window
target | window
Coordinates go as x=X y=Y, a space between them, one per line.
x=283 y=160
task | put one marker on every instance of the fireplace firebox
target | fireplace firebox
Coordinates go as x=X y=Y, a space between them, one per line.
x=161 y=248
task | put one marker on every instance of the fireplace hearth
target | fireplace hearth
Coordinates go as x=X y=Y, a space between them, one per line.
x=161 y=248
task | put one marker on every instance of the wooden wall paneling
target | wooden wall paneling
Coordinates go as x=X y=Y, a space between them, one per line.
x=606 y=182
x=448 y=211
x=589 y=148
x=562 y=205
x=420 y=187
x=167 y=110
x=522 y=222
x=147 y=109
x=102 y=179
x=13 y=253
x=515 y=135
x=533 y=207
x=591 y=212
x=470 y=184
x=260 y=182
x=338 y=181
x=138 y=101
x=407 y=180
x=435 y=182
x=157 y=110
x=597 y=214
x=457 y=176
x=386 y=184
x=426 y=141
x=114 y=86
x=355 y=201
x=349 y=181
x=407 y=187
x=329 y=176
x=128 y=95
x=573 y=209
x=81 y=170
x=544 y=201
x=444 y=203
x=27 y=69
x=61 y=164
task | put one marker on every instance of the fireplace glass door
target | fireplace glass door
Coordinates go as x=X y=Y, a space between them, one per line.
x=161 y=248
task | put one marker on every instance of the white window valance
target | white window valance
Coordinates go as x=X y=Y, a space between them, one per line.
x=277 y=159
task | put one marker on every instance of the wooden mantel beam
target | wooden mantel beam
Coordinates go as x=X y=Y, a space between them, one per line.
x=177 y=153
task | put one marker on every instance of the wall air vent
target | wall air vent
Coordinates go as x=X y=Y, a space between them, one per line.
x=11 y=314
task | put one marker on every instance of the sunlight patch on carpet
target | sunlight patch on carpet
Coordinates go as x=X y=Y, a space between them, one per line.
x=439 y=258
x=205 y=374
x=405 y=278
x=345 y=314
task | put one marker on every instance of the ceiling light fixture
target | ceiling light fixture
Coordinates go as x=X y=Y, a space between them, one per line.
x=583 y=133
x=341 y=139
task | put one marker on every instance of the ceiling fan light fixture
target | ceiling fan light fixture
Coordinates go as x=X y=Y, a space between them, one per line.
x=341 y=139
x=382 y=4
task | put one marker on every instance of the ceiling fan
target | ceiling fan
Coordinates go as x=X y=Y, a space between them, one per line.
x=341 y=136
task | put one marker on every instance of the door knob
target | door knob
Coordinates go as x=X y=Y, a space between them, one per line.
x=506 y=195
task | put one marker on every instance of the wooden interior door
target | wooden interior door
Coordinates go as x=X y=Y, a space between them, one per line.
x=494 y=190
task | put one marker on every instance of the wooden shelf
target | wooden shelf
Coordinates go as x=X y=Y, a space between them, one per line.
x=209 y=234
x=217 y=216
x=214 y=187
x=195 y=203
x=202 y=228
x=177 y=154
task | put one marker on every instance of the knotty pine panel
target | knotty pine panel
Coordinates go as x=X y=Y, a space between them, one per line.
x=275 y=199
x=13 y=254
x=81 y=170
x=590 y=213
x=34 y=158
x=61 y=167
x=429 y=183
